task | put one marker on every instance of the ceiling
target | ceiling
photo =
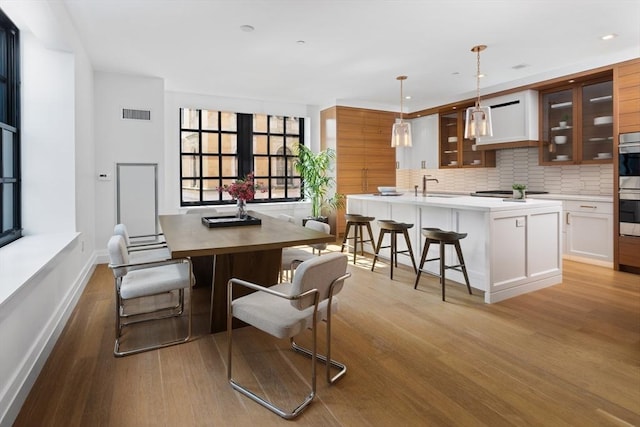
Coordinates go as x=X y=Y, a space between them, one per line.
x=353 y=50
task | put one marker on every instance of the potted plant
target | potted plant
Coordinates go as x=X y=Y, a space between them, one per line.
x=519 y=191
x=564 y=120
x=314 y=170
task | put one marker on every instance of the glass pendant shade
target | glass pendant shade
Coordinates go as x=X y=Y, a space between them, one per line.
x=401 y=130
x=478 y=118
x=477 y=122
x=401 y=134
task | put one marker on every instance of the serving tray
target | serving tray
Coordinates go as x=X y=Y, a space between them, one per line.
x=229 y=221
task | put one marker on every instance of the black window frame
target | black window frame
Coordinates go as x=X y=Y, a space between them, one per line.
x=10 y=177
x=245 y=158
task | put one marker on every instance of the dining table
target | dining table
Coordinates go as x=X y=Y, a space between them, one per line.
x=249 y=252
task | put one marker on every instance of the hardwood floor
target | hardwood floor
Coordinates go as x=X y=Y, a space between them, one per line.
x=568 y=355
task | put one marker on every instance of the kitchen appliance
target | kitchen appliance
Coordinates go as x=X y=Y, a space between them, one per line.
x=629 y=161
x=502 y=193
x=629 y=184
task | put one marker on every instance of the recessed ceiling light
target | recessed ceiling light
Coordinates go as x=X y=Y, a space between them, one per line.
x=407 y=97
x=481 y=75
x=456 y=73
x=609 y=36
x=247 y=28
x=301 y=42
x=519 y=66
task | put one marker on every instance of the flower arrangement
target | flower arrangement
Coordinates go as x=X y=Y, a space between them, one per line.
x=242 y=189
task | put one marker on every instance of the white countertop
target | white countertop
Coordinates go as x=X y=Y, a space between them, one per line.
x=551 y=196
x=459 y=201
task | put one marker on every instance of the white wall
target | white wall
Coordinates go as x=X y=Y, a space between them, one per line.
x=124 y=141
x=58 y=195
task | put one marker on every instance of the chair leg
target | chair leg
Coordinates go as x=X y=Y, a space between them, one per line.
x=258 y=399
x=394 y=253
x=464 y=268
x=345 y=239
x=377 y=249
x=370 y=236
x=442 y=268
x=423 y=259
x=356 y=228
x=408 y=241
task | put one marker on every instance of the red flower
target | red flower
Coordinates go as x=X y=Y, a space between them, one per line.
x=243 y=189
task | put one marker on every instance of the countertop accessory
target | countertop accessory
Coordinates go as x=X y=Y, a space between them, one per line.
x=387 y=189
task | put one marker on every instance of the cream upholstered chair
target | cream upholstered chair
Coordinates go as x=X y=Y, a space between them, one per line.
x=139 y=280
x=287 y=309
x=291 y=257
x=153 y=248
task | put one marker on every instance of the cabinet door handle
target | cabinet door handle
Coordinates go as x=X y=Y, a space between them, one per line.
x=588 y=207
x=362 y=180
x=567 y=219
x=397 y=165
x=366 y=180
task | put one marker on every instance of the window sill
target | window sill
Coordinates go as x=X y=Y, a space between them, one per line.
x=22 y=260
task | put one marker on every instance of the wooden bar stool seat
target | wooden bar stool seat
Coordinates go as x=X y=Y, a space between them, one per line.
x=442 y=238
x=358 y=222
x=394 y=228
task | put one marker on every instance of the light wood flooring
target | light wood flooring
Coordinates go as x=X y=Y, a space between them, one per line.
x=568 y=355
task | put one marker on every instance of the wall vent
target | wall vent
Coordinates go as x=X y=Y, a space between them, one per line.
x=130 y=114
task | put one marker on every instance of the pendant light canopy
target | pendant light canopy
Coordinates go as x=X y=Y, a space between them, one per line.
x=401 y=131
x=477 y=119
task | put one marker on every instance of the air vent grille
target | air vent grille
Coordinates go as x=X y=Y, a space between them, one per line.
x=130 y=114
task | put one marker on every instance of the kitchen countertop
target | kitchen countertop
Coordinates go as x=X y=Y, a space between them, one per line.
x=550 y=196
x=458 y=201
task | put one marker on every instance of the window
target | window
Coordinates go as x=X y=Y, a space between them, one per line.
x=10 y=224
x=218 y=147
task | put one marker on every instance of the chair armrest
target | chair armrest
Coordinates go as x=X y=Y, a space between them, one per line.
x=147 y=246
x=150 y=264
x=257 y=287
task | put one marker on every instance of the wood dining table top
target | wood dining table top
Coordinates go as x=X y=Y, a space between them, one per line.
x=186 y=235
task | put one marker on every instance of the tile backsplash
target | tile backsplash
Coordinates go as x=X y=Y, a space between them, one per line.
x=519 y=165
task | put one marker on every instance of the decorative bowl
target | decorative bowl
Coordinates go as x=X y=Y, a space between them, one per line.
x=604 y=120
x=560 y=139
x=562 y=157
x=387 y=189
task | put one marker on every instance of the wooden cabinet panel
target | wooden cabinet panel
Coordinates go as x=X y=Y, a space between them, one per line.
x=629 y=248
x=364 y=156
x=628 y=97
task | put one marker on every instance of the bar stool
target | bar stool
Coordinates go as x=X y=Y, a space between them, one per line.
x=394 y=228
x=441 y=237
x=357 y=222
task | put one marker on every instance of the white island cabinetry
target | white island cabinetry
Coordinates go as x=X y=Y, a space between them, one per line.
x=511 y=248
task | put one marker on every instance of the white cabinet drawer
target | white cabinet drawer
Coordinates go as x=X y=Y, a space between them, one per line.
x=587 y=206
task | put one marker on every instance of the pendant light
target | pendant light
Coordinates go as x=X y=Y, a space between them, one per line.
x=401 y=131
x=477 y=119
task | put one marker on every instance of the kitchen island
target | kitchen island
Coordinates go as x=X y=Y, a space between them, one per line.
x=511 y=248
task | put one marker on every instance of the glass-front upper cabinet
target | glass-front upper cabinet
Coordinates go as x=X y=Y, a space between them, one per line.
x=597 y=122
x=557 y=127
x=455 y=150
x=449 y=140
x=577 y=123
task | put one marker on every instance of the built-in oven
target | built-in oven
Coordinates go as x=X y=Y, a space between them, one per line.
x=629 y=184
x=629 y=161
x=629 y=212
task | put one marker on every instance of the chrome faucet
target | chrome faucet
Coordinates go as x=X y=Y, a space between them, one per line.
x=424 y=183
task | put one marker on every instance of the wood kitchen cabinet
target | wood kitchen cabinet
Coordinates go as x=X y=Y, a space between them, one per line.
x=455 y=150
x=576 y=125
x=628 y=96
x=365 y=159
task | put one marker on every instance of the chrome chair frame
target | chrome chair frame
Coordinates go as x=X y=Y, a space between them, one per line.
x=310 y=353
x=170 y=310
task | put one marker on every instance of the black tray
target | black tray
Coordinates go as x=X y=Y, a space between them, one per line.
x=229 y=221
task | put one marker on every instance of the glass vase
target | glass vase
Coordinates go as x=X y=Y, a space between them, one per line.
x=241 y=204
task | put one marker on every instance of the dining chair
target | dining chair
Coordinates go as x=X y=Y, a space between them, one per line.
x=291 y=257
x=135 y=281
x=286 y=310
